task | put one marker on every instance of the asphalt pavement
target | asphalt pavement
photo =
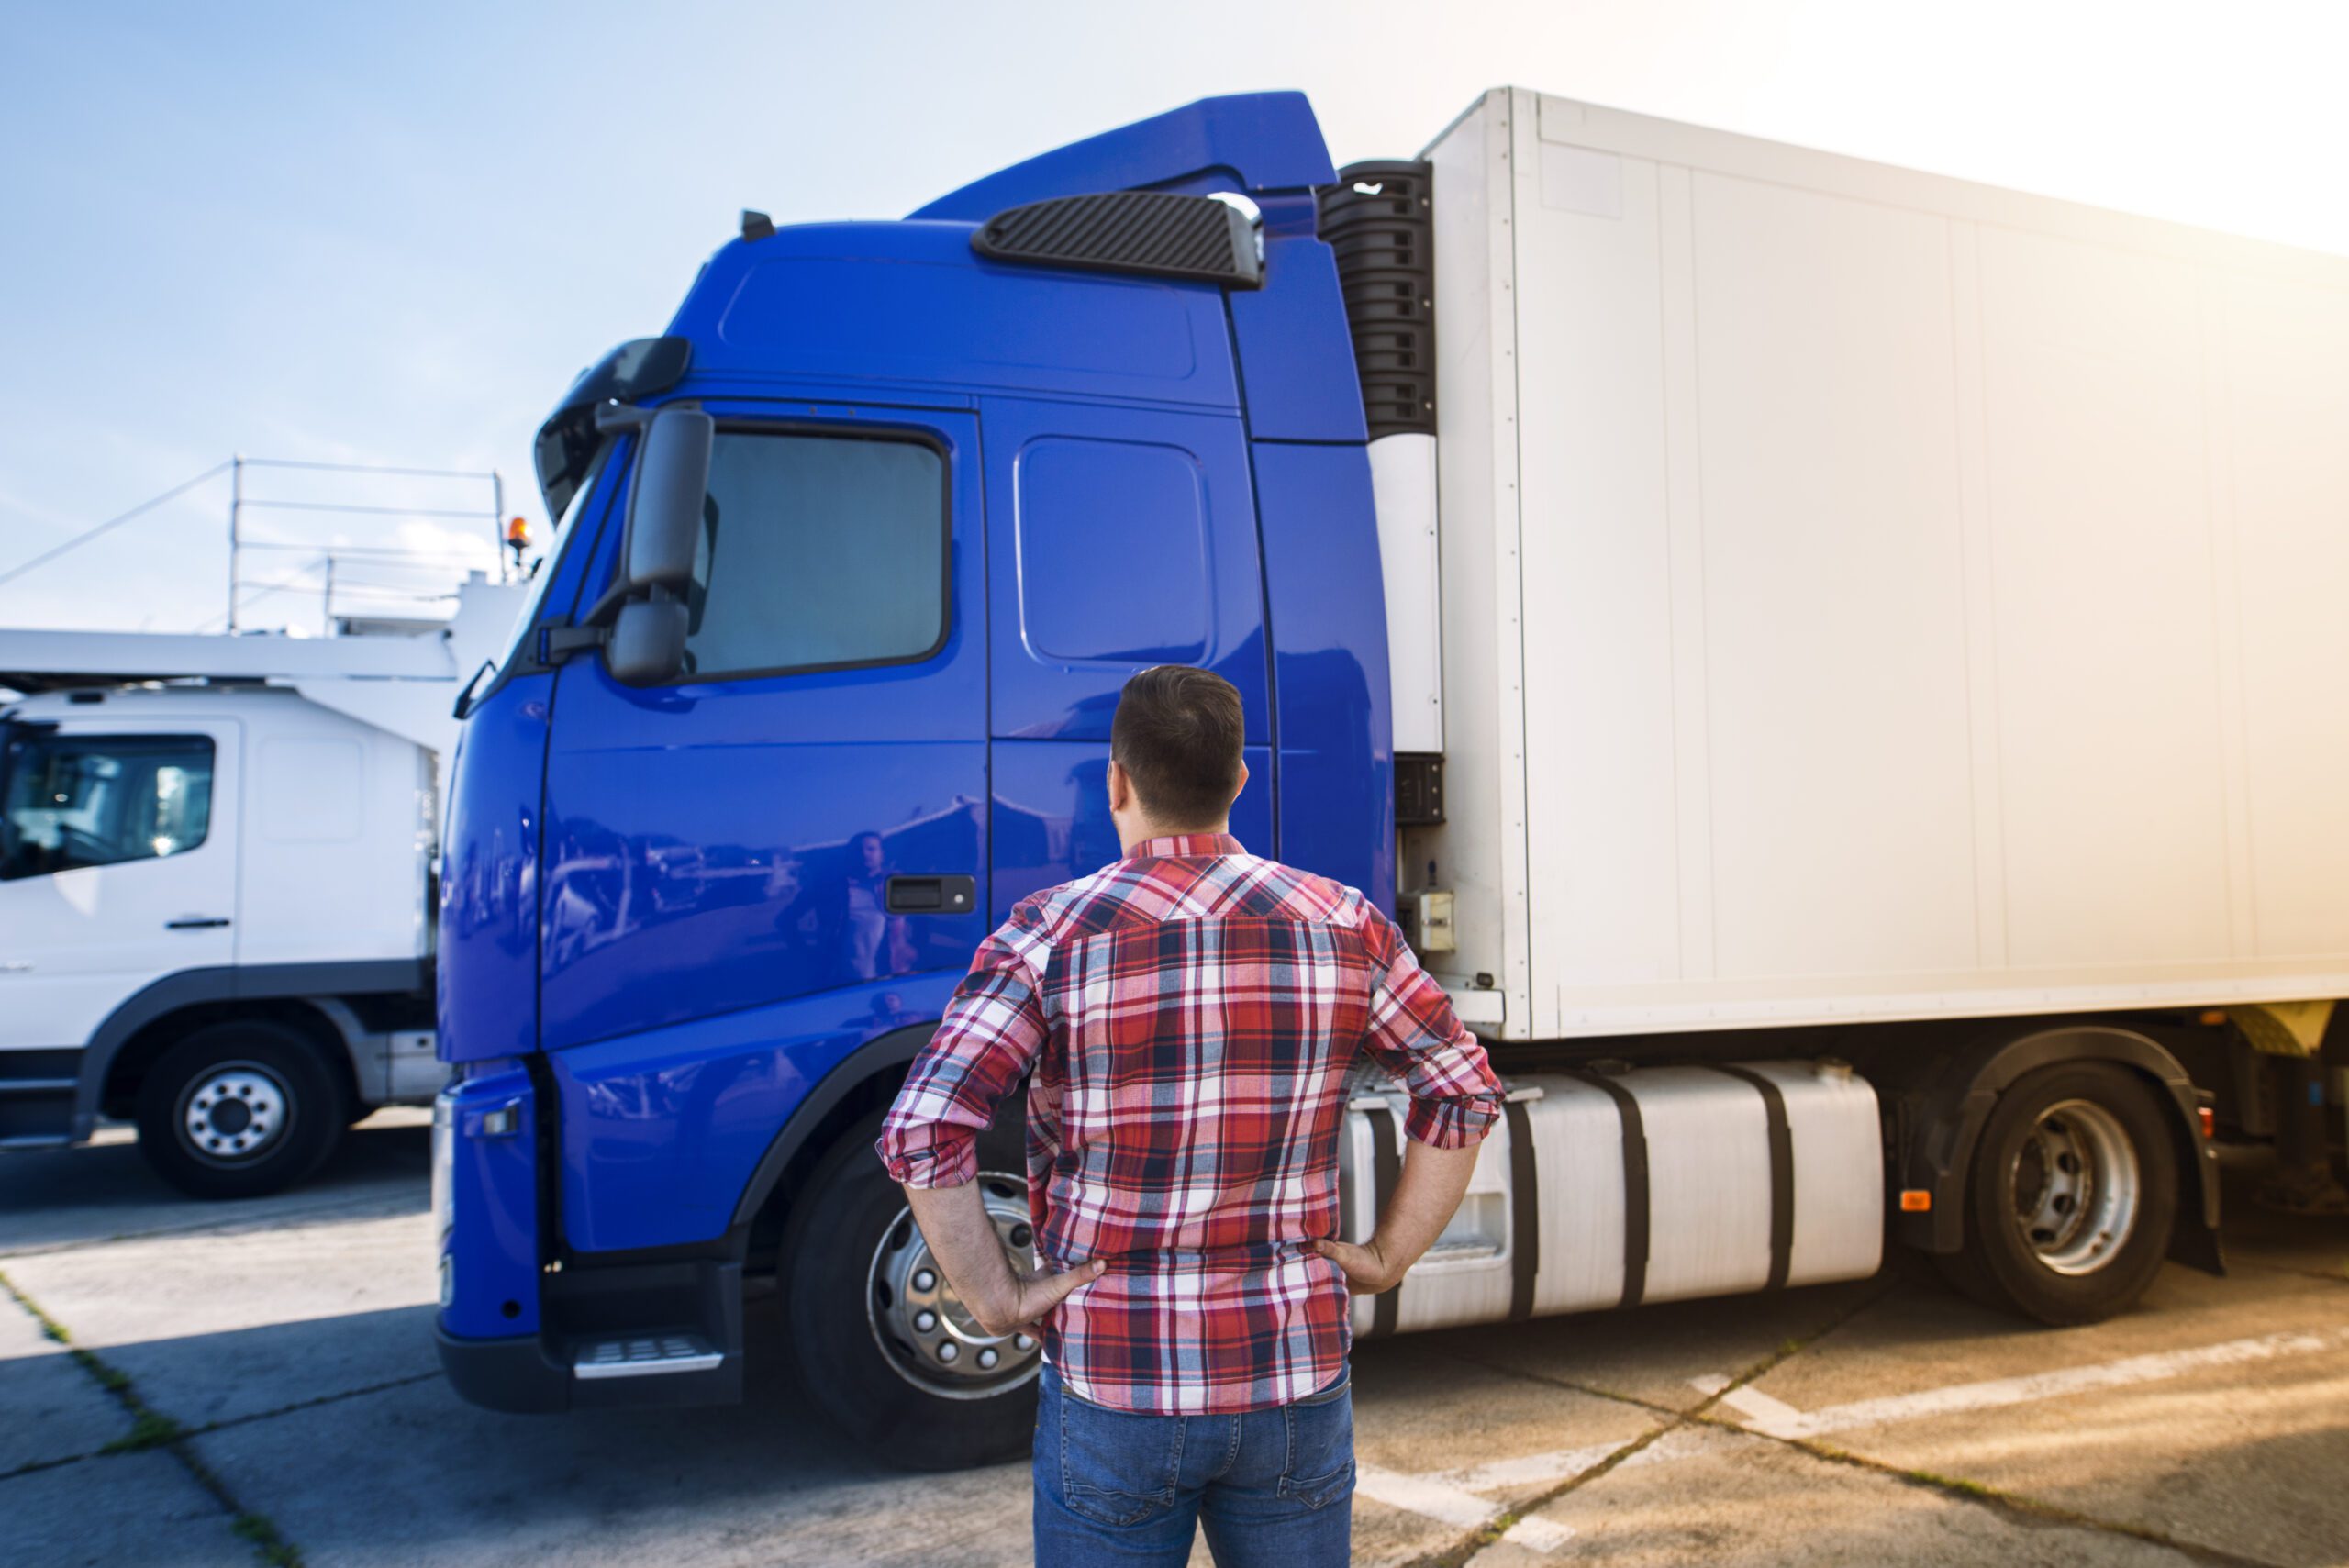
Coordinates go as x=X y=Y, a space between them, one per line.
x=254 y=1383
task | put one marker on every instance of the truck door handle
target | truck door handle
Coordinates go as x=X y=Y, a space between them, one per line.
x=932 y=894
x=195 y=923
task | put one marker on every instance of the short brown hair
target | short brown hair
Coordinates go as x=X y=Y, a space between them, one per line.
x=1177 y=734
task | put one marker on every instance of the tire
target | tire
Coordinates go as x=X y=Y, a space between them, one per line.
x=858 y=1353
x=2072 y=1196
x=193 y=1133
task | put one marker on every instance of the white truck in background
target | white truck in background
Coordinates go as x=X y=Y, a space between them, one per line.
x=216 y=900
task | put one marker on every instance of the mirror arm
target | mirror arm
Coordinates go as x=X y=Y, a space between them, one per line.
x=558 y=640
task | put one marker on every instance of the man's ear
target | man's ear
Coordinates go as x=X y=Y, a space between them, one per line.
x=1242 y=787
x=1122 y=788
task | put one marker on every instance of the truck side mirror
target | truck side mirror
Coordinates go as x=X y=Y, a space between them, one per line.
x=648 y=641
x=664 y=505
x=642 y=620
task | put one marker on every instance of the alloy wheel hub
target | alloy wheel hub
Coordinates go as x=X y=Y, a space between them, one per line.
x=2076 y=1185
x=234 y=1112
x=924 y=1329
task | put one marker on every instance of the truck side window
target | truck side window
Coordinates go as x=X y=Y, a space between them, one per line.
x=75 y=801
x=818 y=551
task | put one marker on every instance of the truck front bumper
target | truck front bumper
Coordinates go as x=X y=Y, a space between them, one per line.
x=513 y=1374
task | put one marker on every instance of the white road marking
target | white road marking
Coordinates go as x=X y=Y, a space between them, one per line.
x=1447 y=1504
x=1538 y=1534
x=1437 y=1498
x=1450 y=1495
x=2002 y=1391
x=1760 y=1412
x=1528 y=1469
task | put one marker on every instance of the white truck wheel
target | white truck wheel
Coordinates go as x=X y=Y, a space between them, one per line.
x=240 y=1109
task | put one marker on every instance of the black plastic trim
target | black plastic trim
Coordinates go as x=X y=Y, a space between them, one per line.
x=239 y=982
x=515 y=1376
x=1154 y=233
x=1525 y=1212
x=1782 y=1172
x=1637 y=1220
x=531 y=1373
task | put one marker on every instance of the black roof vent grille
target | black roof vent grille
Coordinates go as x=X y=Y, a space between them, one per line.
x=1150 y=232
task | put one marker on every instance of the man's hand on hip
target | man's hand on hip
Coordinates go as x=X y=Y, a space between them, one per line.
x=1433 y=1183
x=1030 y=1299
x=1367 y=1270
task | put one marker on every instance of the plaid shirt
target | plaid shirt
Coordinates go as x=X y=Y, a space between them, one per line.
x=1187 y=1017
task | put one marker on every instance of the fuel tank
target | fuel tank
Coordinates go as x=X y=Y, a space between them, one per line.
x=1600 y=1189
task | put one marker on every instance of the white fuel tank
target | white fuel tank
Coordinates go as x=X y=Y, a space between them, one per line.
x=1654 y=1183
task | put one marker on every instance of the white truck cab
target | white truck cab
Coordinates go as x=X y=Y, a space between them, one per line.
x=217 y=887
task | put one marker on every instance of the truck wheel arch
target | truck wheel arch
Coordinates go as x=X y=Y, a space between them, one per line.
x=1949 y=1110
x=143 y=1026
x=868 y=1076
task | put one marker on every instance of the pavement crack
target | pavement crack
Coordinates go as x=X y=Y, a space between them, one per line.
x=1470 y=1545
x=38 y=1465
x=150 y=1428
x=2014 y=1503
x=300 y=1405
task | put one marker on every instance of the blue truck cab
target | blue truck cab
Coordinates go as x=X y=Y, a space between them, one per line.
x=722 y=836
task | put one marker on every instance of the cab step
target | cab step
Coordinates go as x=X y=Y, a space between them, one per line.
x=645 y=1356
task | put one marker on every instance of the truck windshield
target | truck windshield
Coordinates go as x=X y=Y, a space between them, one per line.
x=74 y=801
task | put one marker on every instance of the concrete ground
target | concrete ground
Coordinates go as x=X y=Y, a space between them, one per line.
x=254 y=1383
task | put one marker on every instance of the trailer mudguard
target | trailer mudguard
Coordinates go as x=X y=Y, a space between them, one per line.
x=1947 y=1112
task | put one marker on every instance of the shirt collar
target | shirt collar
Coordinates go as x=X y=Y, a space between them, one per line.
x=1172 y=845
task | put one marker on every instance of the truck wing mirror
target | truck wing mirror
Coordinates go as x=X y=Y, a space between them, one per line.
x=642 y=620
x=665 y=504
x=648 y=641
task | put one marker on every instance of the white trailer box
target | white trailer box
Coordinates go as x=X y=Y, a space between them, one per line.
x=1869 y=595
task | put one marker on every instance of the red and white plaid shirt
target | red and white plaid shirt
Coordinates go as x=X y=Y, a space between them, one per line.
x=1187 y=1017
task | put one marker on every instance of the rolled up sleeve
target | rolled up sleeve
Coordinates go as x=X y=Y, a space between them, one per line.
x=1416 y=1037
x=992 y=1030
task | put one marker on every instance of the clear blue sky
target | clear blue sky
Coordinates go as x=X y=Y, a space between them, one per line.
x=392 y=234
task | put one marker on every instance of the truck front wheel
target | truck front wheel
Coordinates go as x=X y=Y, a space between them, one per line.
x=239 y=1110
x=882 y=1343
x=2072 y=1196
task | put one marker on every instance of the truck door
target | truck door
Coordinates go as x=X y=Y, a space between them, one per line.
x=118 y=867
x=1117 y=539
x=778 y=856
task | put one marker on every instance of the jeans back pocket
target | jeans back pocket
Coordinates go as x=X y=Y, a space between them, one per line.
x=1320 y=1468
x=1117 y=1467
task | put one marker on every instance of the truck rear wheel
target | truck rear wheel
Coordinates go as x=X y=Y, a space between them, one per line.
x=239 y=1110
x=881 y=1340
x=2071 y=1198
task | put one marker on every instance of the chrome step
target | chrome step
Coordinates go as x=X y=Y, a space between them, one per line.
x=652 y=1356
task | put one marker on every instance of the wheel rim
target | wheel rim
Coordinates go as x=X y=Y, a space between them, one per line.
x=234 y=1112
x=2075 y=1187
x=926 y=1334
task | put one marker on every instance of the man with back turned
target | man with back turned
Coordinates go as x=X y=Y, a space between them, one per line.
x=1187 y=1020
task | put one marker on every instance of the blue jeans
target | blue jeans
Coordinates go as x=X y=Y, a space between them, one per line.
x=1274 y=1488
